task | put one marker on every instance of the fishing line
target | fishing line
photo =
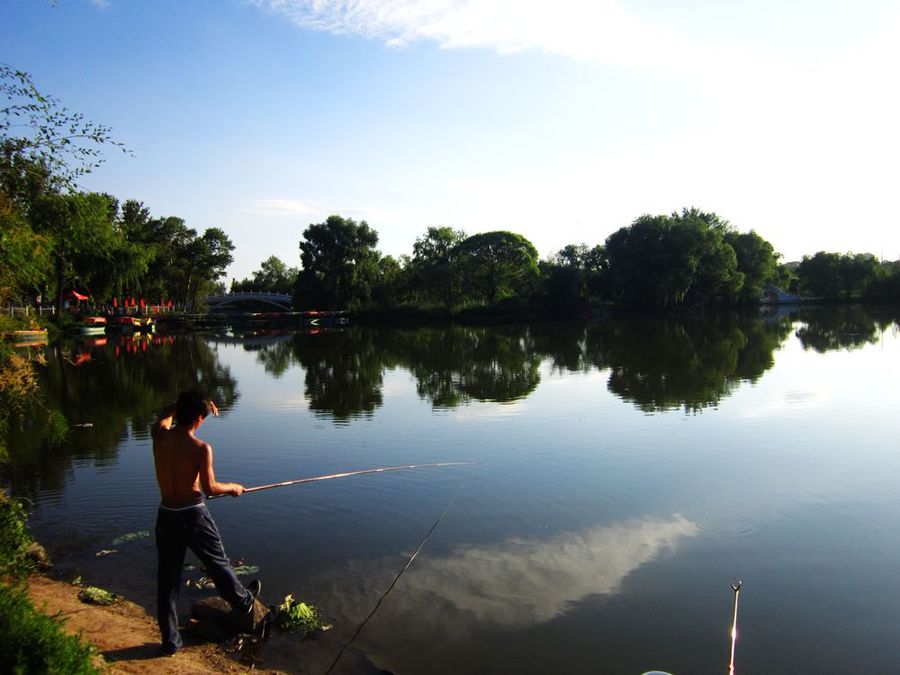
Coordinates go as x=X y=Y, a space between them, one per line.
x=393 y=583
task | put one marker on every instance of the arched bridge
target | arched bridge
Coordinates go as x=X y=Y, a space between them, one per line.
x=280 y=300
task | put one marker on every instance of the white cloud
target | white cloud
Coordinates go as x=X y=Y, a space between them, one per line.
x=798 y=144
x=591 y=30
x=282 y=207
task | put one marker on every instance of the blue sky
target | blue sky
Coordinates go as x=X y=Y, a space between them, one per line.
x=562 y=121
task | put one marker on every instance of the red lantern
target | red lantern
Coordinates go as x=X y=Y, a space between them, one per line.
x=115 y=301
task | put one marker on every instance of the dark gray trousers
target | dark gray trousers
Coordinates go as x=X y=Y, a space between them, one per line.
x=176 y=531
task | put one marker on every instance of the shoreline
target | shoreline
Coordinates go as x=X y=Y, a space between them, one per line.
x=125 y=637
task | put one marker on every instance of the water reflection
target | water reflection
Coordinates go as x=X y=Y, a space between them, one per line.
x=669 y=363
x=112 y=387
x=656 y=363
x=97 y=392
x=832 y=328
x=515 y=583
x=454 y=366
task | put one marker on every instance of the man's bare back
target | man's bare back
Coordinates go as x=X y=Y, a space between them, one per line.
x=184 y=463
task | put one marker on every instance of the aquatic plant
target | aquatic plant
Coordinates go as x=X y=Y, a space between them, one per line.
x=297 y=617
x=131 y=536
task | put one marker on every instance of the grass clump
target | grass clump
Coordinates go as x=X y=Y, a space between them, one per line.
x=30 y=642
x=97 y=596
x=297 y=617
x=14 y=540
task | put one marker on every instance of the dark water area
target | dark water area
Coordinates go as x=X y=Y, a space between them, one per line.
x=621 y=474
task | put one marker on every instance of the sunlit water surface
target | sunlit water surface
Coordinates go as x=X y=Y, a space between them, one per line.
x=621 y=474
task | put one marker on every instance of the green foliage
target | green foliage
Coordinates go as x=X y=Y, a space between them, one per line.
x=667 y=261
x=756 y=261
x=84 y=240
x=40 y=135
x=24 y=254
x=31 y=642
x=573 y=278
x=272 y=276
x=14 y=539
x=830 y=276
x=434 y=276
x=339 y=265
x=497 y=265
x=92 y=595
x=167 y=259
x=297 y=617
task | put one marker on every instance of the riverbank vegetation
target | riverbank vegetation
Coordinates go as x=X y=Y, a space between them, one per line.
x=30 y=641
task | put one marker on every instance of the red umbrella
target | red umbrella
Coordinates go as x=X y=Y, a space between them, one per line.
x=115 y=301
x=133 y=302
x=142 y=303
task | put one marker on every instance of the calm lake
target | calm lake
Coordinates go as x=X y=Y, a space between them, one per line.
x=621 y=474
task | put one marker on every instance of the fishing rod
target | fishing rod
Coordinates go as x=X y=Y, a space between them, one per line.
x=345 y=474
x=396 y=579
x=736 y=587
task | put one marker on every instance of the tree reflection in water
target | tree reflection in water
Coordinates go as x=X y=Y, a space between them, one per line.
x=657 y=363
x=95 y=392
x=845 y=327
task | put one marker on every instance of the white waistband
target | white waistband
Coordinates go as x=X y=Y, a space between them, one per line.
x=181 y=508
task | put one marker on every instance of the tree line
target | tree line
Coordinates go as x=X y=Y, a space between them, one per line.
x=55 y=238
x=691 y=258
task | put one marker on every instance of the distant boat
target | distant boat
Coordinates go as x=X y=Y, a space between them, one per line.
x=93 y=325
x=25 y=338
x=133 y=324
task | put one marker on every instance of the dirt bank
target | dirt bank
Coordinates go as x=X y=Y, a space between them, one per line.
x=125 y=637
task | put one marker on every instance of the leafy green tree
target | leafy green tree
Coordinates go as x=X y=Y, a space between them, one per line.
x=24 y=254
x=273 y=275
x=756 y=260
x=572 y=278
x=433 y=269
x=497 y=265
x=180 y=265
x=208 y=256
x=388 y=284
x=43 y=140
x=833 y=275
x=666 y=261
x=339 y=264
x=80 y=228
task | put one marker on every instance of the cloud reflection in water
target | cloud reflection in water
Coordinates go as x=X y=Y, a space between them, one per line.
x=518 y=582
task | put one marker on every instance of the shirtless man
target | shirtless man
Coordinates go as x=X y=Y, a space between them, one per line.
x=184 y=464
